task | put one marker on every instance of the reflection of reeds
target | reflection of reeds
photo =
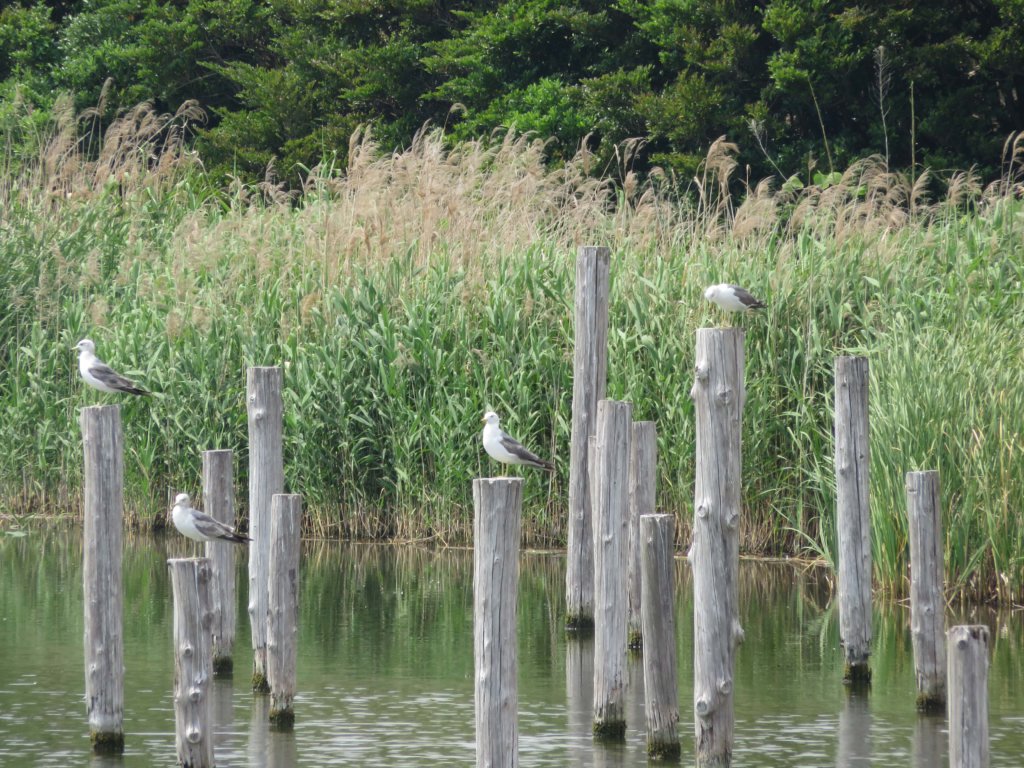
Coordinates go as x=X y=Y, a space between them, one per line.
x=416 y=289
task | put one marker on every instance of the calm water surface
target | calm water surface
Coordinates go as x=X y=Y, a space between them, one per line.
x=386 y=669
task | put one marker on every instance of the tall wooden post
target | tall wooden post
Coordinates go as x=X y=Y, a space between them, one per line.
x=497 y=504
x=719 y=396
x=611 y=534
x=103 y=496
x=643 y=471
x=661 y=702
x=968 y=697
x=219 y=503
x=266 y=477
x=193 y=660
x=853 y=515
x=283 y=605
x=927 y=589
x=590 y=365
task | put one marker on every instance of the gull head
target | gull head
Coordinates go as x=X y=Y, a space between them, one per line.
x=712 y=292
x=181 y=500
x=491 y=418
x=85 y=345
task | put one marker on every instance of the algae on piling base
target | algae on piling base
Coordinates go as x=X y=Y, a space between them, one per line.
x=857 y=675
x=260 y=683
x=107 y=743
x=610 y=730
x=283 y=719
x=223 y=666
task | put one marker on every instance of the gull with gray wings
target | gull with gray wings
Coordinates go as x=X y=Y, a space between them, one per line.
x=199 y=526
x=506 y=449
x=101 y=376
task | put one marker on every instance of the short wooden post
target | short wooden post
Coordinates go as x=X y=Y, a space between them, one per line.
x=193 y=660
x=103 y=496
x=927 y=590
x=497 y=504
x=611 y=541
x=266 y=477
x=590 y=364
x=643 y=466
x=853 y=515
x=719 y=397
x=661 y=703
x=968 y=696
x=219 y=503
x=283 y=605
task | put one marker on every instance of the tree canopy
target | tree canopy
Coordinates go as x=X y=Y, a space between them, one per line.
x=797 y=84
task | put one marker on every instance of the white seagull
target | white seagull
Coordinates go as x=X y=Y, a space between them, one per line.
x=499 y=445
x=199 y=526
x=732 y=298
x=101 y=376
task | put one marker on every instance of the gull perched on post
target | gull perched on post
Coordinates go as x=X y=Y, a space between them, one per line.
x=199 y=526
x=732 y=298
x=500 y=446
x=101 y=376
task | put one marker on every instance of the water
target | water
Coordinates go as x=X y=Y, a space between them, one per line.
x=386 y=669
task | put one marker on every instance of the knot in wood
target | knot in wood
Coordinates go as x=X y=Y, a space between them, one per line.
x=193 y=735
x=703 y=510
x=961 y=642
x=701 y=371
x=186 y=650
x=194 y=694
x=725 y=686
x=724 y=396
x=258 y=413
x=732 y=519
x=702 y=707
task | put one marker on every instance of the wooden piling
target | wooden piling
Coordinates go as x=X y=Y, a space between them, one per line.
x=611 y=541
x=590 y=364
x=968 y=696
x=927 y=590
x=719 y=396
x=103 y=496
x=853 y=515
x=661 y=702
x=283 y=606
x=497 y=504
x=643 y=470
x=193 y=660
x=266 y=477
x=219 y=503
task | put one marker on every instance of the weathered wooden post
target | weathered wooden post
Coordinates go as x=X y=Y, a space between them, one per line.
x=968 y=696
x=103 y=496
x=219 y=503
x=927 y=589
x=643 y=471
x=590 y=364
x=283 y=605
x=497 y=504
x=661 y=703
x=611 y=541
x=719 y=396
x=193 y=660
x=853 y=515
x=266 y=477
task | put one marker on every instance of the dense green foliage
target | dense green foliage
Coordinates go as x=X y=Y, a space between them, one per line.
x=935 y=84
x=413 y=292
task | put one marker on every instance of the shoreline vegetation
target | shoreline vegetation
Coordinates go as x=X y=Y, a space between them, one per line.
x=411 y=291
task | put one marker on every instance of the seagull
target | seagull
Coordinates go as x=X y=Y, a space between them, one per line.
x=732 y=298
x=201 y=527
x=507 y=450
x=98 y=374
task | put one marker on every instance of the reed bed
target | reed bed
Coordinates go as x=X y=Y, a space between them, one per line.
x=411 y=291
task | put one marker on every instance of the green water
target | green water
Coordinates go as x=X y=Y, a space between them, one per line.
x=385 y=671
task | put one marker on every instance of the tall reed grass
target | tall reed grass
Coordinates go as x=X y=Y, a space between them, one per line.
x=411 y=291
